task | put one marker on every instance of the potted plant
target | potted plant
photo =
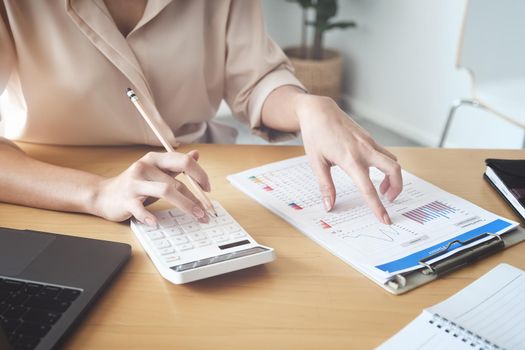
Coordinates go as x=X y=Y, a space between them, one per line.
x=319 y=69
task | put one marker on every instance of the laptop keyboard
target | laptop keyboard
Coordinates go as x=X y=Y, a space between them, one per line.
x=28 y=310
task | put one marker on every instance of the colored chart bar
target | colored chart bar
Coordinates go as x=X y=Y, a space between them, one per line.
x=295 y=206
x=429 y=212
x=324 y=224
x=258 y=181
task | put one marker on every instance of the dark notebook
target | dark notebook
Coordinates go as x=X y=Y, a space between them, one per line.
x=508 y=178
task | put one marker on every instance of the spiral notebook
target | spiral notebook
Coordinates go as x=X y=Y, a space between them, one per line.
x=487 y=314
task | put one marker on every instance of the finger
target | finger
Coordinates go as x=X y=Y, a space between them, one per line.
x=158 y=175
x=188 y=194
x=142 y=214
x=194 y=154
x=171 y=193
x=155 y=174
x=385 y=185
x=175 y=162
x=386 y=152
x=321 y=170
x=362 y=180
x=392 y=171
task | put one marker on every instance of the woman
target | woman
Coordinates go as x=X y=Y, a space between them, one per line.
x=66 y=65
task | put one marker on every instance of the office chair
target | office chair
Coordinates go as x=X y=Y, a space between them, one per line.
x=492 y=50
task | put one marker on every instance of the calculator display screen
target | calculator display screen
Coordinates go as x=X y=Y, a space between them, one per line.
x=234 y=244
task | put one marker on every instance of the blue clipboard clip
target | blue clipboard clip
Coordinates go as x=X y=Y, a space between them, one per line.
x=462 y=257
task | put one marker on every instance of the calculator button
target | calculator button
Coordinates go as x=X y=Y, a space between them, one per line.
x=222 y=220
x=239 y=235
x=214 y=232
x=179 y=240
x=190 y=227
x=167 y=251
x=171 y=232
x=148 y=228
x=162 y=217
x=186 y=246
x=203 y=243
x=231 y=228
x=162 y=244
x=171 y=258
x=197 y=236
x=183 y=220
x=210 y=224
x=221 y=239
x=155 y=235
x=168 y=223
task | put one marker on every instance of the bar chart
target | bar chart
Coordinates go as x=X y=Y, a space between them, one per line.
x=429 y=212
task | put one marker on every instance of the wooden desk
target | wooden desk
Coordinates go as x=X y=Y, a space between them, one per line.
x=306 y=299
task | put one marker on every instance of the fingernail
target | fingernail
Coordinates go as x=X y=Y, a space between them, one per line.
x=204 y=219
x=386 y=219
x=198 y=212
x=327 y=203
x=150 y=222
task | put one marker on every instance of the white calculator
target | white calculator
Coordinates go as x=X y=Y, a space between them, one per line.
x=185 y=250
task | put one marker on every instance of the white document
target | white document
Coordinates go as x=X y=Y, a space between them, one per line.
x=488 y=314
x=425 y=218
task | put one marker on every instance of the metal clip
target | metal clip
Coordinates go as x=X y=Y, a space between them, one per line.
x=462 y=257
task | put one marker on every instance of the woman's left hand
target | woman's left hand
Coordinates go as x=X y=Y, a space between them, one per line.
x=330 y=138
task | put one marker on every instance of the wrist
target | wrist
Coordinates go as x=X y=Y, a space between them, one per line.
x=279 y=109
x=92 y=194
x=309 y=107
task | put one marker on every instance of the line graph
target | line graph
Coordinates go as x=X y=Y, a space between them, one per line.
x=387 y=234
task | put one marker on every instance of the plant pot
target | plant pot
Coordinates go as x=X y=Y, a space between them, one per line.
x=320 y=77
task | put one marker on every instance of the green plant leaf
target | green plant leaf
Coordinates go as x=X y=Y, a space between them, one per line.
x=340 y=25
x=325 y=9
x=336 y=25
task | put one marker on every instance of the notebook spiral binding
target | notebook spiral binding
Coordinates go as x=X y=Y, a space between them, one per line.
x=462 y=334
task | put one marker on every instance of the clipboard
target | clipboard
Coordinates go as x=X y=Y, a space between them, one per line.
x=405 y=282
x=286 y=188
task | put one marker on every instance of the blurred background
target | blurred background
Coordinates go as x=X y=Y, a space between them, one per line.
x=399 y=73
x=405 y=69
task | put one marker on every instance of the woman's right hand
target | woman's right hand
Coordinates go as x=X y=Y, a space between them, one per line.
x=150 y=178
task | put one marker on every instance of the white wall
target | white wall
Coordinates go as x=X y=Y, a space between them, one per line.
x=400 y=67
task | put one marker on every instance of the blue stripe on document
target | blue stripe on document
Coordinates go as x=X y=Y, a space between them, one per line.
x=413 y=259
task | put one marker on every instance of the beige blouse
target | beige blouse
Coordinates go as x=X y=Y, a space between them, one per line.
x=65 y=67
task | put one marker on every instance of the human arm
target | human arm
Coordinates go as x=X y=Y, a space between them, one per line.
x=33 y=183
x=262 y=90
x=331 y=137
x=27 y=181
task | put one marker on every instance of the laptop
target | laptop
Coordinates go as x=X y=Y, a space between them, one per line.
x=48 y=282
